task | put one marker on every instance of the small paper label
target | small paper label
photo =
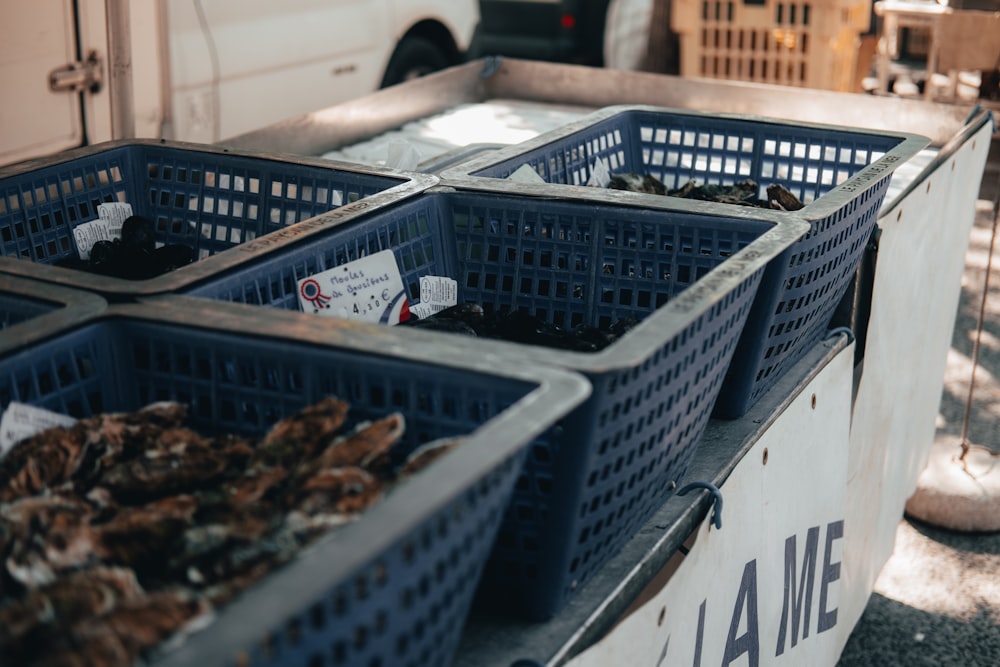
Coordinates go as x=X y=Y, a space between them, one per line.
x=402 y=155
x=438 y=291
x=115 y=214
x=21 y=421
x=369 y=289
x=88 y=234
x=600 y=175
x=424 y=310
x=107 y=227
x=525 y=174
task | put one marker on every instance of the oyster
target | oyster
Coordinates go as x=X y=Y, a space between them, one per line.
x=40 y=621
x=427 y=454
x=637 y=183
x=299 y=436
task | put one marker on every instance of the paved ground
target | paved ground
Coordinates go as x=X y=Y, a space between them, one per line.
x=937 y=601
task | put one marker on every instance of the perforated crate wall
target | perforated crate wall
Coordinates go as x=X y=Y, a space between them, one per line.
x=30 y=310
x=569 y=263
x=842 y=174
x=207 y=198
x=809 y=44
x=15 y=308
x=392 y=588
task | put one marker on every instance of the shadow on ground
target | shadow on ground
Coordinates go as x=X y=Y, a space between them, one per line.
x=892 y=633
x=961 y=543
x=936 y=602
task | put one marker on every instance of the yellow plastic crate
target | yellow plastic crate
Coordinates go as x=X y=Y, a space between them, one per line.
x=807 y=44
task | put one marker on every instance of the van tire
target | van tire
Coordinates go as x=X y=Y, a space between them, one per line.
x=414 y=57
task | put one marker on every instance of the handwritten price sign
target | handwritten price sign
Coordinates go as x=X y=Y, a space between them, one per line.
x=369 y=289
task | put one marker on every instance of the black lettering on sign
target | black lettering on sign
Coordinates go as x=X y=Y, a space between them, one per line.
x=830 y=574
x=663 y=653
x=700 y=638
x=749 y=641
x=798 y=601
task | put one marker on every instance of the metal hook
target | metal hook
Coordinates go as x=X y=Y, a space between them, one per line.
x=716 y=496
x=841 y=330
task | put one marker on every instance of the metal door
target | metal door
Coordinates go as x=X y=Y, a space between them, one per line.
x=43 y=77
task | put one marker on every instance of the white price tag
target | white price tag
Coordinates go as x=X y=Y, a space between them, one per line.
x=424 y=310
x=107 y=227
x=600 y=175
x=525 y=174
x=402 y=155
x=21 y=421
x=115 y=214
x=88 y=234
x=438 y=291
x=369 y=289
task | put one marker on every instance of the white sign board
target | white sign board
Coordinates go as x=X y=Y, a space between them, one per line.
x=368 y=289
x=765 y=588
x=918 y=278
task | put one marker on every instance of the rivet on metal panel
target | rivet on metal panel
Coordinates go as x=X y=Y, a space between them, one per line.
x=716 y=495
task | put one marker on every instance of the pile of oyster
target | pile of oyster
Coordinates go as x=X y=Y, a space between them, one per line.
x=743 y=193
x=123 y=530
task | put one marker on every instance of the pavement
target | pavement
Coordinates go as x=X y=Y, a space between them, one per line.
x=936 y=603
x=937 y=600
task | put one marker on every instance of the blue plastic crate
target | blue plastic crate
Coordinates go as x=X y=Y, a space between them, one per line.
x=392 y=588
x=212 y=199
x=841 y=173
x=690 y=277
x=31 y=310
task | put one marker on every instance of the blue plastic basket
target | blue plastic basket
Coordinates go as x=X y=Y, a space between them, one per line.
x=392 y=588
x=209 y=198
x=690 y=277
x=31 y=310
x=841 y=173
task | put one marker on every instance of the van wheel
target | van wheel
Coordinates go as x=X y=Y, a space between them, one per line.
x=414 y=57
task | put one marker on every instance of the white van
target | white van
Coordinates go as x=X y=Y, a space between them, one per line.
x=205 y=70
